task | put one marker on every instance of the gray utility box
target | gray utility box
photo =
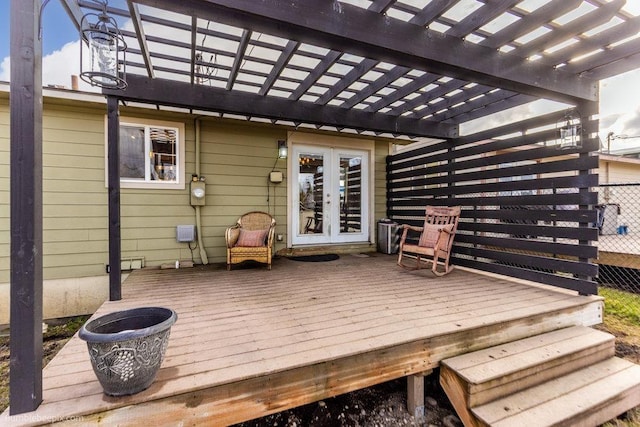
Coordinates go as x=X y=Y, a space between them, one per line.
x=186 y=233
x=388 y=236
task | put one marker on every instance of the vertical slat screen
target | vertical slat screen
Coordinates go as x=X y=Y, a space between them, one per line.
x=528 y=207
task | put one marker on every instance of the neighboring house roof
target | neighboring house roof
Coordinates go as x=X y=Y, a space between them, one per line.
x=611 y=158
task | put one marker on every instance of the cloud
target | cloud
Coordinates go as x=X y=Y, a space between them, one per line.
x=627 y=124
x=60 y=65
x=617 y=108
x=5 y=65
x=57 y=67
x=511 y=115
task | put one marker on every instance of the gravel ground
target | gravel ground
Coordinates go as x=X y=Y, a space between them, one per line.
x=384 y=405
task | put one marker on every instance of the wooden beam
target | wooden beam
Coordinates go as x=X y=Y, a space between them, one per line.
x=415 y=394
x=598 y=16
x=330 y=58
x=113 y=154
x=282 y=62
x=430 y=95
x=485 y=13
x=348 y=79
x=431 y=11
x=407 y=89
x=605 y=58
x=384 y=81
x=140 y=34
x=498 y=104
x=622 y=66
x=348 y=28
x=598 y=41
x=192 y=47
x=25 y=381
x=74 y=12
x=180 y=94
x=541 y=16
x=449 y=106
x=237 y=61
x=380 y=6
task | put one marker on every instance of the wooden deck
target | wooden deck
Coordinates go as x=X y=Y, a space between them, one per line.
x=251 y=342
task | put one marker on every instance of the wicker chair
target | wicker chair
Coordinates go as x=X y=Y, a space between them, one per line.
x=251 y=239
x=436 y=239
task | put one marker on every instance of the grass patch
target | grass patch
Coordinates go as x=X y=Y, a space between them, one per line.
x=623 y=305
x=622 y=319
x=53 y=340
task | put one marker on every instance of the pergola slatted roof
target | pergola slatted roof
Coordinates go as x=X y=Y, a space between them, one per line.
x=428 y=64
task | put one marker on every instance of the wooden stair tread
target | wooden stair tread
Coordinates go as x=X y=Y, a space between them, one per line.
x=589 y=396
x=524 y=357
x=477 y=378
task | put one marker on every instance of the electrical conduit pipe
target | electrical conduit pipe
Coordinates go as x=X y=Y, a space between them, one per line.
x=203 y=252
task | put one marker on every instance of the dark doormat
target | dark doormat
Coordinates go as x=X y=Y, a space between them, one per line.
x=315 y=258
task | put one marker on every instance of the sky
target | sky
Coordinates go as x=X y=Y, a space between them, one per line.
x=619 y=100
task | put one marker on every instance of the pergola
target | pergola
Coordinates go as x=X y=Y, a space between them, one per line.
x=419 y=68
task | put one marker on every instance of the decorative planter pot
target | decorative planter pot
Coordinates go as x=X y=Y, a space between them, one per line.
x=126 y=348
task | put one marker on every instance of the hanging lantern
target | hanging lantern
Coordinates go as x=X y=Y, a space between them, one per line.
x=569 y=131
x=102 y=50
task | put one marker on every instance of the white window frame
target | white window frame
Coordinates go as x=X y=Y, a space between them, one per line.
x=179 y=183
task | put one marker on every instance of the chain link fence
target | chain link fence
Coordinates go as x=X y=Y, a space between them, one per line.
x=619 y=242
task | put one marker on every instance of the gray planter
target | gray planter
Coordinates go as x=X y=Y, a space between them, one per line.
x=126 y=348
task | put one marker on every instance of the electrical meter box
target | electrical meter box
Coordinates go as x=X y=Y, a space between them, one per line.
x=198 y=193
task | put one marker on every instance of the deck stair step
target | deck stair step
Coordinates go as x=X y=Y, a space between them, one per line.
x=565 y=377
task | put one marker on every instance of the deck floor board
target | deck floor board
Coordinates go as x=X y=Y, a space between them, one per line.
x=250 y=323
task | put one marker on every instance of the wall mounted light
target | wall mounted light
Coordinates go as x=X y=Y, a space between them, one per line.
x=569 y=131
x=102 y=50
x=282 y=149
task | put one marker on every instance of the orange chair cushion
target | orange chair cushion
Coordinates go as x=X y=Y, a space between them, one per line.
x=252 y=238
x=431 y=234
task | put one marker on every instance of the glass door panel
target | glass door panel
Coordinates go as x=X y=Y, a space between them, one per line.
x=309 y=200
x=350 y=194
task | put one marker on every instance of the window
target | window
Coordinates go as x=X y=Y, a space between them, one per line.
x=151 y=154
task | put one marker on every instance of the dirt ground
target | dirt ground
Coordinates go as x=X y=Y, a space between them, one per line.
x=383 y=405
x=379 y=406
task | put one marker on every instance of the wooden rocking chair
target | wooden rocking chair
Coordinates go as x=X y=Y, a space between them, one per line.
x=436 y=239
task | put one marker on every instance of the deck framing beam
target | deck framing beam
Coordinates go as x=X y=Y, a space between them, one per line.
x=184 y=95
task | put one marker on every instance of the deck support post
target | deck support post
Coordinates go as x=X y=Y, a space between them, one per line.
x=113 y=154
x=415 y=394
x=25 y=379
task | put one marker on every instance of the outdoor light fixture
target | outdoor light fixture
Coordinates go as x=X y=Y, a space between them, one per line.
x=105 y=47
x=569 y=131
x=282 y=149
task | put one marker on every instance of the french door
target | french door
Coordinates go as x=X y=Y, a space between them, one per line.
x=330 y=195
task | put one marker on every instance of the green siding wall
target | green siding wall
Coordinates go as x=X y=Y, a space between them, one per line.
x=4 y=190
x=236 y=159
x=380 y=178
